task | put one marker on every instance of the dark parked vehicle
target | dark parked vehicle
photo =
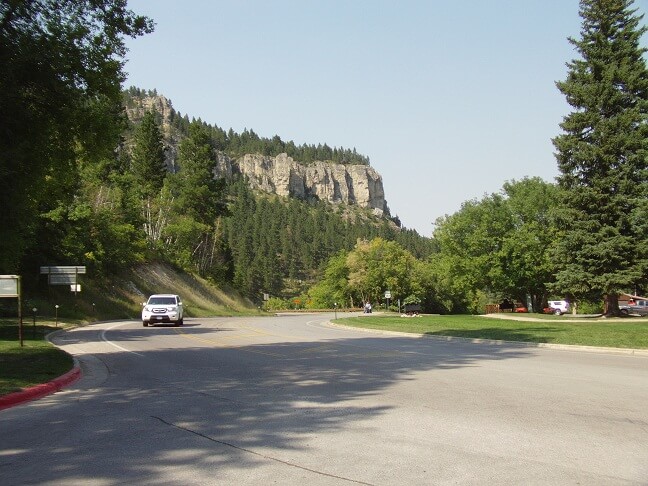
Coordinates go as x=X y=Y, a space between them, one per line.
x=639 y=307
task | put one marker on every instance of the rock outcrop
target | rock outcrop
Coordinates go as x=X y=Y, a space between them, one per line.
x=358 y=185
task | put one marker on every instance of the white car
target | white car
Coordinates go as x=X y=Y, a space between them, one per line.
x=163 y=308
x=558 y=307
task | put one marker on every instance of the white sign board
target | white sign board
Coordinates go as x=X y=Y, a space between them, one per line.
x=58 y=269
x=388 y=295
x=8 y=285
x=62 y=279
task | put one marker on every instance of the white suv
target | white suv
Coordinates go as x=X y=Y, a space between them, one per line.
x=558 y=307
x=163 y=308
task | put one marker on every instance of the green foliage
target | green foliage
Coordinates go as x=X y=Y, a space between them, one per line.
x=499 y=245
x=272 y=239
x=333 y=288
x=60 y=98
x=603 y=155
x=377 y=266
x=147 y=157
x=275 y=304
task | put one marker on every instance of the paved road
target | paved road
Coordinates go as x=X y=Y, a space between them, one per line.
x=292 y=400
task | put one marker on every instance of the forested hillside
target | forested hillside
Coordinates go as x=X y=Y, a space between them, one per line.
x=260 y=243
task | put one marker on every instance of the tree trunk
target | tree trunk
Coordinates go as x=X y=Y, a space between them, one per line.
x=611 y=306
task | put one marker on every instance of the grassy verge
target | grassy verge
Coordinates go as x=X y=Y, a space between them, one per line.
x=617 y=333
x=37 y=361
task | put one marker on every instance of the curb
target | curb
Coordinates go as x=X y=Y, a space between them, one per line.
x=39 y=391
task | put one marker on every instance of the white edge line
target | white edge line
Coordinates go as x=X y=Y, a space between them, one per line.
x=102 y=335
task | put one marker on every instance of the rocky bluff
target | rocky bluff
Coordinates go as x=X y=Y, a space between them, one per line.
x=358 y=185
x=355 y=185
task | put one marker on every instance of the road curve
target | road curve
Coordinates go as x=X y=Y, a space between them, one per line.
x=292 y=399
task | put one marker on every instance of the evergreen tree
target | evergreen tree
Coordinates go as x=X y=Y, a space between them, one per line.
x=602 y=156
x=198 y=193
x=147 y=160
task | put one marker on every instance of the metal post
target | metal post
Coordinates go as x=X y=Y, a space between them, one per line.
x=56 y=307
x=34 y=326
x=335 y=306
x=20 y=321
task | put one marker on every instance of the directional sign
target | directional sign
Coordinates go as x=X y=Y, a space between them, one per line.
x=58 y=269
x=388 y=295
x=62 y=279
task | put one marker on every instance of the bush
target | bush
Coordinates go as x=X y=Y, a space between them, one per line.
x=586 y=307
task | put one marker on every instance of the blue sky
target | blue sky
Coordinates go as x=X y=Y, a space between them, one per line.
x=448 y=99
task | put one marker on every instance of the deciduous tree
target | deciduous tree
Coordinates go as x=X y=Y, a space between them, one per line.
x=60 y=95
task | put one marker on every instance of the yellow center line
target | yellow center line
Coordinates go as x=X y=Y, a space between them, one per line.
x=363 y=351
x=226 y=346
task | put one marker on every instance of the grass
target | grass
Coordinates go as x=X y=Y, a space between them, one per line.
x=616 y=333
x=37 y=361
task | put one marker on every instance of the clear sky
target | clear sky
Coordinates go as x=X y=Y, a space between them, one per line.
x=448 y=99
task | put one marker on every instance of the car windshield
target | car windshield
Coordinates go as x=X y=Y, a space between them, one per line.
x=162 y=301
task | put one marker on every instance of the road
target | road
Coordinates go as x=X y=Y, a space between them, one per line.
x=295 y=400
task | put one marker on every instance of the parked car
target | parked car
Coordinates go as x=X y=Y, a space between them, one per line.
x=163 y=308
x=558 y=307
x=639 y=307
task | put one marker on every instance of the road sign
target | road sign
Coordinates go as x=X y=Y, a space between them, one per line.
x=62 y=279
x=9 y=285
x=388 y=295
x=59 y=269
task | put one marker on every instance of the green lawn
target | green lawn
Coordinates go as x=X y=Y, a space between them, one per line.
x=37 y=361
x=611 y=332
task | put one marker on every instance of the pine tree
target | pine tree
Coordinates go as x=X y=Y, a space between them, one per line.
x=602 y=157
x=147 y=160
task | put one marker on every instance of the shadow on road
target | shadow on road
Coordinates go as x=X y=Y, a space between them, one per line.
x=205 y=407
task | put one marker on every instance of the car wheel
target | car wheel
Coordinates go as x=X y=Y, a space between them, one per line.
x=145 y=324
x=557 y=312
x=624 y=312
x=181 y=322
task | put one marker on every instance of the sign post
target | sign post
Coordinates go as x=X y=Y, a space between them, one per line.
x=387 y=297
x=10 y=287
x=64 y=275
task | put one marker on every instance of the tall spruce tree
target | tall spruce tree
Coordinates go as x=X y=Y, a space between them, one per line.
x=602 y=157
x=147 y=160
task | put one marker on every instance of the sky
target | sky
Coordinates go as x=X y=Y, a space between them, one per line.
x=448 y=99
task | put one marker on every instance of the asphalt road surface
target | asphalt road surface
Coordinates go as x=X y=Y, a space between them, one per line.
x=294 y=400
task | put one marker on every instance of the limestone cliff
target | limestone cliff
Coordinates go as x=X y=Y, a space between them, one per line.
x=357 y=185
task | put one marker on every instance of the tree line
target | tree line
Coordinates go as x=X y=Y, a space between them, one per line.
x=248 y=142
x=74 y=199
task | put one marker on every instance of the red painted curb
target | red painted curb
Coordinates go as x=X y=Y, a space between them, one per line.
x=39 y=391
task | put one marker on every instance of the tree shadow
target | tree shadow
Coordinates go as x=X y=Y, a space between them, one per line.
x=514 y=335
x=213 y=406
